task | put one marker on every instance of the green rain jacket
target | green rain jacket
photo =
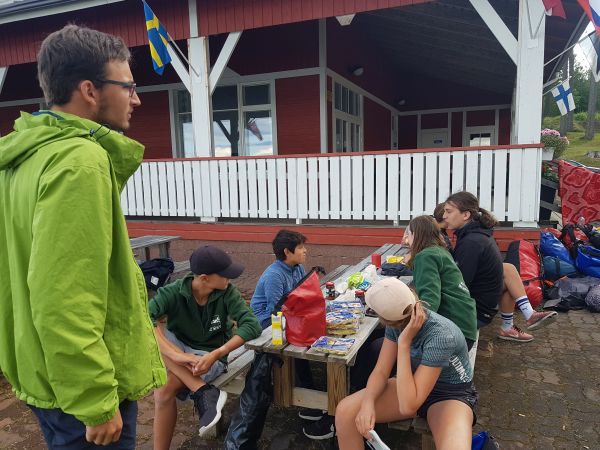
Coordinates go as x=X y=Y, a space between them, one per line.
x=74 y=327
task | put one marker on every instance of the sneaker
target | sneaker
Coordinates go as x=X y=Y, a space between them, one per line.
x=541 y=319
x=208 y=403
x=515 y=334
x=321 y=429
x=311 y=414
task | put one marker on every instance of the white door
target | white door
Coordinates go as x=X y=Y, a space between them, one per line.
x=434 y=138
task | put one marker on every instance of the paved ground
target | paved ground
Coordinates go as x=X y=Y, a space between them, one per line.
x=540 y=395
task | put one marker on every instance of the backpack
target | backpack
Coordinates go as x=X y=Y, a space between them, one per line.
x=157 y=272
x=555 y=268
x=525 y=256
x=572 y=237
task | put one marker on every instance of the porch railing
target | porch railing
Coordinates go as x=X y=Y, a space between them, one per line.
x=380 y=186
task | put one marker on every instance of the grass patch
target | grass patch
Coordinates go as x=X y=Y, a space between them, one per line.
x=579 y=147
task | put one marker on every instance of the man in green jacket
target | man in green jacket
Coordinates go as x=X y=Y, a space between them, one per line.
x=76 y=343
x=198 y=337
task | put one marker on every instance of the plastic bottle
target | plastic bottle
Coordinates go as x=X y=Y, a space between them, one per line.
x=330 y=286
x=360 y=296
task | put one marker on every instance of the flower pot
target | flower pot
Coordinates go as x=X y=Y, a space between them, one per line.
x=547 y=153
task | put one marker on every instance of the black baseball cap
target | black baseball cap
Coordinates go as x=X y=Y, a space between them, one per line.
x=209 y=259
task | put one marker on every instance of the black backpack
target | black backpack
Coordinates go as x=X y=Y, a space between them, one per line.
x=157 y=272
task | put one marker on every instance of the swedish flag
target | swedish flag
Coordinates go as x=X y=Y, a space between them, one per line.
x=158 y=39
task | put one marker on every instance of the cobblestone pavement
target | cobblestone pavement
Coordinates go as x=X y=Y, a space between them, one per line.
x=540 y=395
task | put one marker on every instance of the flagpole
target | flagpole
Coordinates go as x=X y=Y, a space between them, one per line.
x=566 y=50
x=171 y=40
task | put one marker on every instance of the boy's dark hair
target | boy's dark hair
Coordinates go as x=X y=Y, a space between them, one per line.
x=438 y=212
x=74 y=54
x=286 y=239
x=465 y=201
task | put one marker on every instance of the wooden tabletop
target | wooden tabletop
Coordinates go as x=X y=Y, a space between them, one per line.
x=148 y=241
x=263 y=344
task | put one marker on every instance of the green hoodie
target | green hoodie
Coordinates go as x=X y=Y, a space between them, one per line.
x=204 y=327
x=74 y=327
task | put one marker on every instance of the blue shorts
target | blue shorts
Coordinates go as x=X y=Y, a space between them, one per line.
x=63 y=431
x=217 y=368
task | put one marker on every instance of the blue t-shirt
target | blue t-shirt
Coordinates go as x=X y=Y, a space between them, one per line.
x=439 y=343
x=276 y=281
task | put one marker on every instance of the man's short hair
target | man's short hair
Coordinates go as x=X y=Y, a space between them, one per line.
x=74 y=54
x=287 y=239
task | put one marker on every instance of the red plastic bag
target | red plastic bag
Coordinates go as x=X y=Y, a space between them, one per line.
x=304 y=311
x=525 y=256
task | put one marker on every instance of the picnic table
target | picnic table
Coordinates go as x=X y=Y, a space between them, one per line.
x=285 y=392
x=145 y=243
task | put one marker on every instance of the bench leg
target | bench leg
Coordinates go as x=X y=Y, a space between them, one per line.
x=163 y=250
x=284 y=382
x=427 y=442
x=337 y=385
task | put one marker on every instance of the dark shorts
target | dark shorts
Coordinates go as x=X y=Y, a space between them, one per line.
x=64 y=432
x=464 y=392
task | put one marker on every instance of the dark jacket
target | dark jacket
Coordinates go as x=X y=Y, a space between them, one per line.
x=480 y=262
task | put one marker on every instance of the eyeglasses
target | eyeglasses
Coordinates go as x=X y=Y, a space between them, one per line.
x=130 y=86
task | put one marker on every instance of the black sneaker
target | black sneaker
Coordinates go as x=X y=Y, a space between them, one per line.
x=208 y=403
x=321 y=429
x=311 y=414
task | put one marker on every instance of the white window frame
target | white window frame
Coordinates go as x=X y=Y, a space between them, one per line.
x=346 y=117
x=244 y=109
x=241 y=109
x=492 y=129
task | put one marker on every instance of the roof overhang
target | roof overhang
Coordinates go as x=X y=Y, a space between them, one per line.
x=17 y=10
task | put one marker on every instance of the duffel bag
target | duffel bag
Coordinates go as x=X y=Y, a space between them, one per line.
x=588 y=260
x=525 y=256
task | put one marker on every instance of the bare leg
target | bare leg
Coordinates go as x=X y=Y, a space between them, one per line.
x=165 y=403
x=165 y=412
x=386 y=410
x=450 y=422
x=513 y=288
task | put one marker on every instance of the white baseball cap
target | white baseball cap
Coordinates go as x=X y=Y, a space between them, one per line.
x=389 y=298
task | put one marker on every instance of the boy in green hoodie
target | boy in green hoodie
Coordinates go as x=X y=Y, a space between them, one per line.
x=198 y=337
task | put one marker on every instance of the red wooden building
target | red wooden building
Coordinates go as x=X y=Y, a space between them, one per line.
x=286 y=101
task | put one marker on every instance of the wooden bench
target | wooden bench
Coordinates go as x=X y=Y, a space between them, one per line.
x=418 y=424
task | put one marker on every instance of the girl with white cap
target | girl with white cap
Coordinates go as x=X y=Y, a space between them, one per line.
x=433 y=379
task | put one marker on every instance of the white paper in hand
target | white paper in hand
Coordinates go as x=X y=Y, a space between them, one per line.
x=376 y=443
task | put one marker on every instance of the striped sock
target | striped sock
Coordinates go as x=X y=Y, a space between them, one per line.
x=525 y=307
x=507 y=321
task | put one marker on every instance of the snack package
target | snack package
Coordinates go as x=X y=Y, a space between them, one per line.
x=355 y=279
x=344 y=305
x=333 y=345
x=341 y=319
x=393 y=259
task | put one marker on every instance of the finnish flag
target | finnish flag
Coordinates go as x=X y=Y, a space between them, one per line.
x=564 y=97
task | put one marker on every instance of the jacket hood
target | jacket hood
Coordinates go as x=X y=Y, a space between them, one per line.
x=474 y=227
x=34 y=131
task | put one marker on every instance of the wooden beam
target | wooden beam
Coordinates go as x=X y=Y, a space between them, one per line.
x=201 y=99
x=180 y=69
x=3 y=71
x=223 y=59
x=528 y=114
x=497 y=27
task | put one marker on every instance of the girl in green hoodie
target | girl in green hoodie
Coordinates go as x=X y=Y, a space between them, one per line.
x=437 y=279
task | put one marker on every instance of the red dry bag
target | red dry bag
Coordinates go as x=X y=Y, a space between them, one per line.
x=304 y=310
